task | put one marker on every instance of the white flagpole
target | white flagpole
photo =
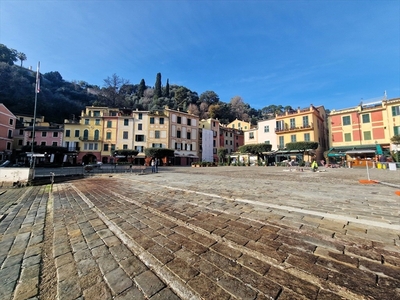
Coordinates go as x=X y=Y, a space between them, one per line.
x=37 y=90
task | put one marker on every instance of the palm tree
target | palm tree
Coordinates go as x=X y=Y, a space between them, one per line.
x=21 y=56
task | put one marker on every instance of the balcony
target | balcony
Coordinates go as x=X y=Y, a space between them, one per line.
x=89 y=139
x=294 y=129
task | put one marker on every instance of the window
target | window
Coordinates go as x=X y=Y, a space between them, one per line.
x=188 y=135
x=21 y=132
x=161 y=121
x=109 y=124
x=139 y=126
x=139 y=148
x=139 y=138
x=281 y=142
x=42 y=143
x=8 y=146
x=346 y=120
x=266 y=128
x=395 y=111
x=367 y=135
x=293 y=138
x=178 y=146
x=125 y=147
x=10 y=134
x=126 y=122
x=347 y=137
x=86 y=121
x=55 y=134
x=97 y=122
x=251 y=135
x=189 y=122
x=307 y=137
x=268 y=142
x=108 y=136
x=396 y=130
x=178 y=134
x=179 y=120
x=20 y=142
x=54 y=144
x=85 y=134
x=155 y=145
x=365 y=118
x=67 y=133
x=77 y=133
x=305 y=121
x=157 y=134
x=44 y=134
x=292 y=123
x=112 y=147
x=105 y=147
x=125 y=135
x=152 y=120
x=140 y=117
x=11 y=122
x=226 y=142
x=96 y=113
x=96 y=135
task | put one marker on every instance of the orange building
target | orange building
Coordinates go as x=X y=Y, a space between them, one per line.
x=361 y=133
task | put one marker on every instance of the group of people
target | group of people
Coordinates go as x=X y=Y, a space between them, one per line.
x=154 y=165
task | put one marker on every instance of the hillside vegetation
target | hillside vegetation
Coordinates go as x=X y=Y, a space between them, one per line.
x=59 y=99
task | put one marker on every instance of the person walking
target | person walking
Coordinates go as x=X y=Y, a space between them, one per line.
x=156 y=163
x=314 y=165
x=153 y=166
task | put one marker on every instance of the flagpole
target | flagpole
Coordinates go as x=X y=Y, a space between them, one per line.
x=37 y=89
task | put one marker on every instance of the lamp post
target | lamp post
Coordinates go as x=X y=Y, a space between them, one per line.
x=37 y=89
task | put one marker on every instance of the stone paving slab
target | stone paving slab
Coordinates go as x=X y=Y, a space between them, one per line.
x=203 y=233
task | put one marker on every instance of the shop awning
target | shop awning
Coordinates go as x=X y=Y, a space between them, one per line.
x=361 y=151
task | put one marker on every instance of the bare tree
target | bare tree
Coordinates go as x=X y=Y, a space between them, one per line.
x=237 y=107
x=193 y=109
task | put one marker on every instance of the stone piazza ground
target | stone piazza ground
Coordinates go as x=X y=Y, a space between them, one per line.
x=204 y=233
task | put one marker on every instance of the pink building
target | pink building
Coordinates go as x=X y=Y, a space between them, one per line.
x=7 y=127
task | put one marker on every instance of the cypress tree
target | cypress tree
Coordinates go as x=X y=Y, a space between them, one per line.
x=167 y=89
x=141 y=89
x=157 y=87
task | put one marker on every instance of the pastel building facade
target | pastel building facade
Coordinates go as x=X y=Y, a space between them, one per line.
x=7 y=128
x=303 y=125
x=363 y=132
x=214 y=126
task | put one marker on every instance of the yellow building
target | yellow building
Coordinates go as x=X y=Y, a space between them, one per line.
x=303 y=125
x=239 y=124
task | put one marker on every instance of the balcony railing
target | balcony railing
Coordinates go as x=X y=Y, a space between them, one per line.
x=89 y=138
x=297 y=128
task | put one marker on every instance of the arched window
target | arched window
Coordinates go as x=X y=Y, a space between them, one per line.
x=85 y=134
x=96 y=135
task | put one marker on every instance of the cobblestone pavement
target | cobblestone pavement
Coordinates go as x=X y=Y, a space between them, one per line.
x=204 y=233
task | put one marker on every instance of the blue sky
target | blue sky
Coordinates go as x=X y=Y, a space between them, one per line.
x=297 y=53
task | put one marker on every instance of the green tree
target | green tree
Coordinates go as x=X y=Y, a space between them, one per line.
x=159 y=152
x=127 y=153
x=222 y=152
x=396 y=140
x=166 y=92
x=256 y=149
x=302 y=146
x=7 y=55
x=141 y=89
x=157 y=87
x=21 y=56
x=209 y=97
